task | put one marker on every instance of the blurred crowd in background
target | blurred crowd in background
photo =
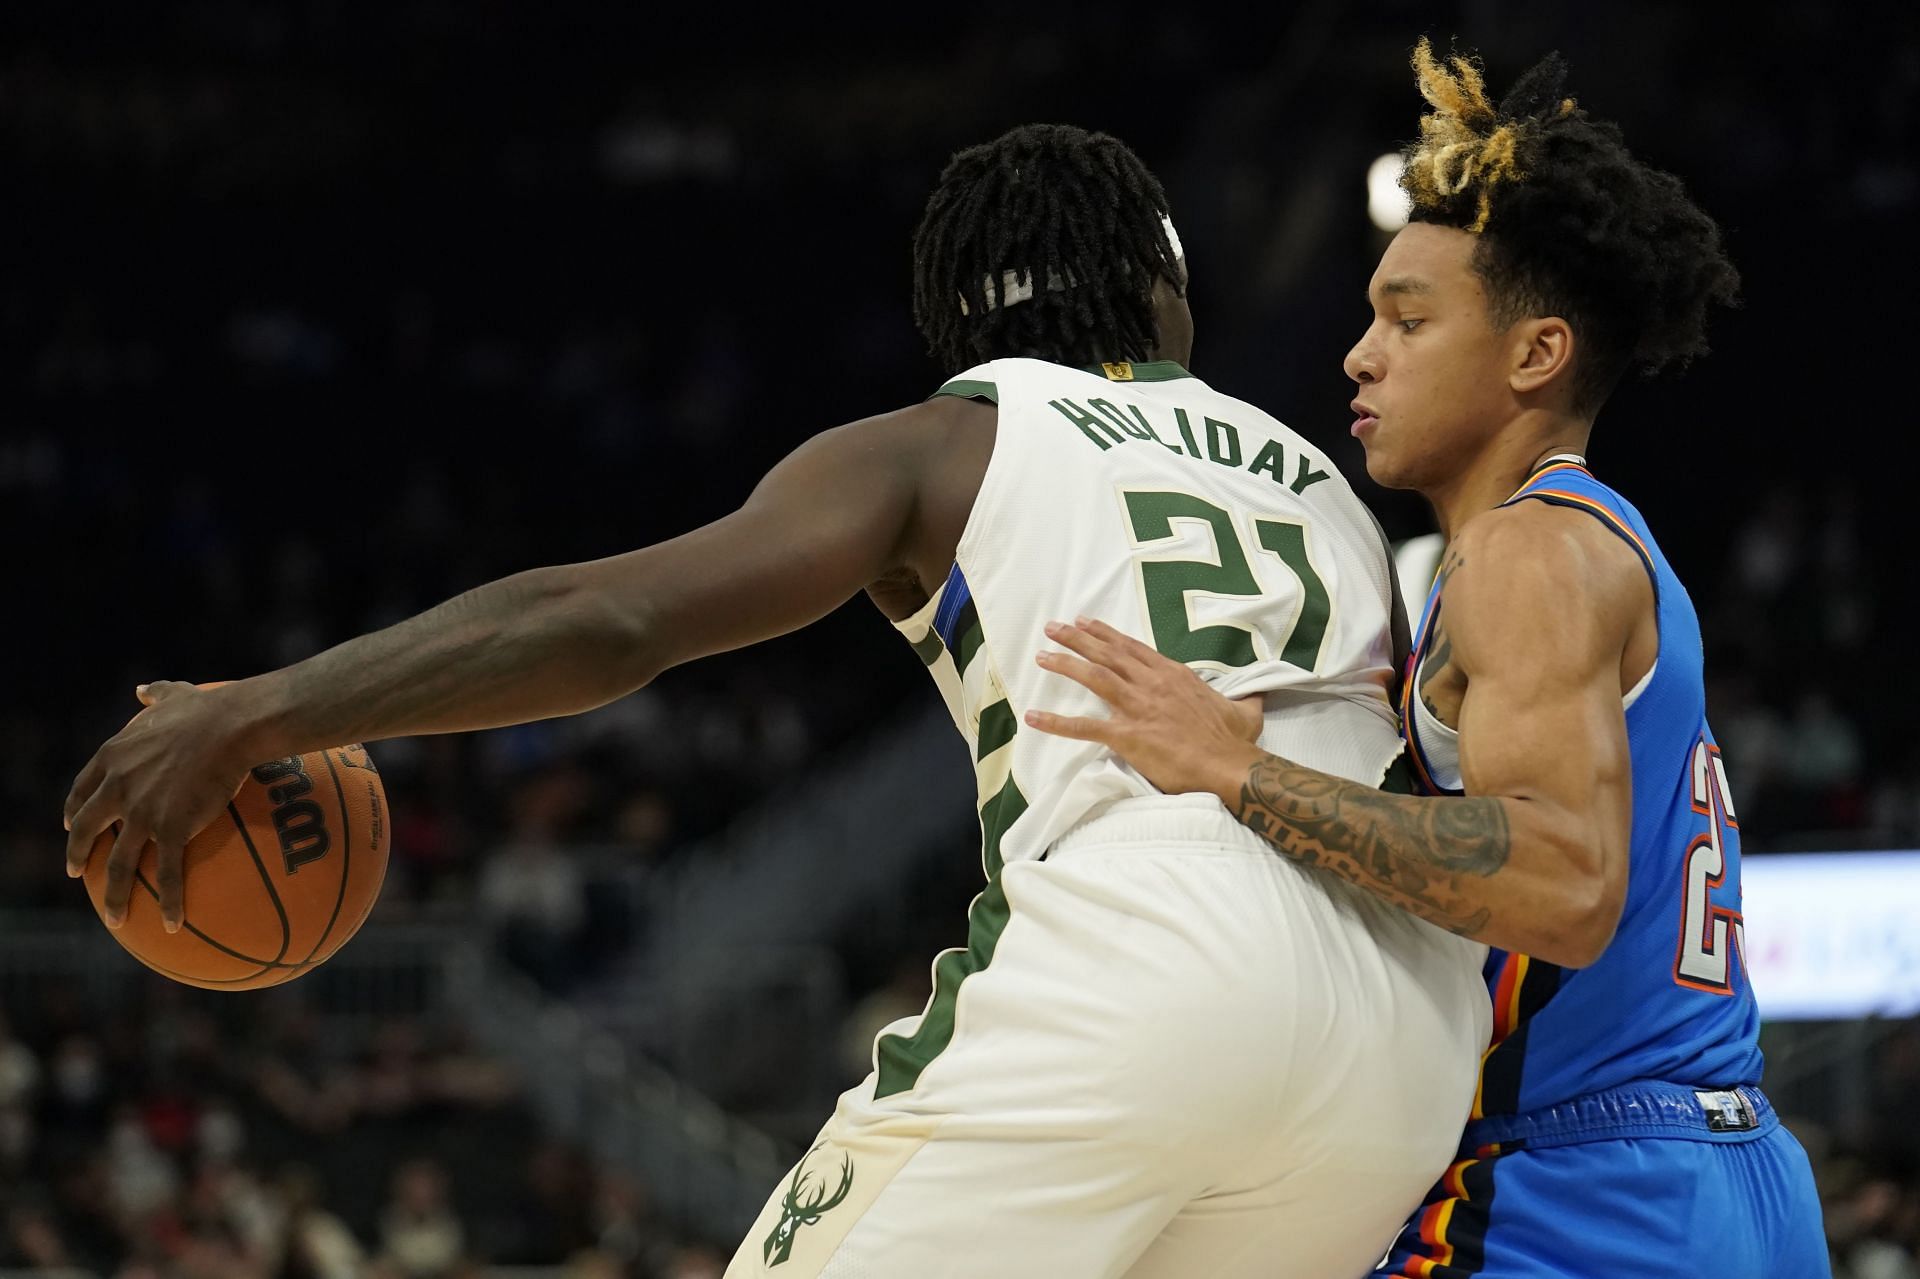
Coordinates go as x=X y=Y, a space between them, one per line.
x=216 y=1139
x=315 y=313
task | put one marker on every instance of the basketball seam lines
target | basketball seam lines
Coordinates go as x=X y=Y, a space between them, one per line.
x=140 y=877
x=266 y=881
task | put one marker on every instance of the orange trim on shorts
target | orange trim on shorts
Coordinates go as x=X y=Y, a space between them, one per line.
x=1506 y=1019
x=1438 y=1216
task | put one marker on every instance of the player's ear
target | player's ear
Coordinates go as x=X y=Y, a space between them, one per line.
x=1542 y=354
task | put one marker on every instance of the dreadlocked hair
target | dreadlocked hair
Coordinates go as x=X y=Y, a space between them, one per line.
x=1569 y=223
x=1073 y=215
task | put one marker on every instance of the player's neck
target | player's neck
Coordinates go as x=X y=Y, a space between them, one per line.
x=1502 y=468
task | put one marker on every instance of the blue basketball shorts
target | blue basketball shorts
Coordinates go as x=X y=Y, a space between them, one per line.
x=1650 y=1181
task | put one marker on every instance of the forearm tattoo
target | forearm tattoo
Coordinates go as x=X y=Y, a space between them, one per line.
x=1422 y=855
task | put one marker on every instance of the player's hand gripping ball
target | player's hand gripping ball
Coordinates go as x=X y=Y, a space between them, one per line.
x=283 y=875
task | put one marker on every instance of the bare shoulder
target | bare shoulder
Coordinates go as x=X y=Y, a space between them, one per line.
x=930 y=423
x=937 y=453
x=904 y=446
x=1534 y=564
x=1533 y=544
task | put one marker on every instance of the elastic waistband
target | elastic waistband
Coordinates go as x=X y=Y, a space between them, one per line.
x=1165 y=821
x=1646 y=1109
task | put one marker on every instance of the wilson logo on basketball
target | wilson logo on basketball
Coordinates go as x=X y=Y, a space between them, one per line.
x=298 y=821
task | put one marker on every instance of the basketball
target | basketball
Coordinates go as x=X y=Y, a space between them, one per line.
x=275 y=886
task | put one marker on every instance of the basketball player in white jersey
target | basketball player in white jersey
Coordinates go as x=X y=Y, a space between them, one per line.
x=1164 y=1052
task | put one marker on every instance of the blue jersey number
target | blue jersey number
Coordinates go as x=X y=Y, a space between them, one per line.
x=1712 y=938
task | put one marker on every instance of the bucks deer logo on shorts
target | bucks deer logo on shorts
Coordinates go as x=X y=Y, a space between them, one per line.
x=806 y=1202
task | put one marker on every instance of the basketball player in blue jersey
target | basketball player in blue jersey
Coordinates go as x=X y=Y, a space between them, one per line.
x=1575 y=813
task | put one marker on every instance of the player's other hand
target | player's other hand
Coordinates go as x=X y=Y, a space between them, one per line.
x=1163 y=719
x=164 y=777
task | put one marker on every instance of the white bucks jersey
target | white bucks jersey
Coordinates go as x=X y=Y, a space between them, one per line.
x=1139 y=495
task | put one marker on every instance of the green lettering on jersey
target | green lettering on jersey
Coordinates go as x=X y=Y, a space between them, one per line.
x=1186 y=432
x=1306 y=476
x=1112 y=413
x=1086 y=422
x=1272 y=460
x=1147 y=426
x=1223 y=443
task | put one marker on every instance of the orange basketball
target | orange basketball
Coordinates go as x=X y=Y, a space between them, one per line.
x=273 y=887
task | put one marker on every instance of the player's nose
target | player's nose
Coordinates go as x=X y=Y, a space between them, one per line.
x=1363 y=363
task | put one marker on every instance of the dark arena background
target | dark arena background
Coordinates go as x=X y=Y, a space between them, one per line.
x=316 y=312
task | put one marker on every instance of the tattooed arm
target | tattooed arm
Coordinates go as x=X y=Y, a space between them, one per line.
x=1542 y=605
x=1425 y=856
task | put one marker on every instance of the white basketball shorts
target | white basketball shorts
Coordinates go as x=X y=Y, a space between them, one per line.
x=1181 y=1056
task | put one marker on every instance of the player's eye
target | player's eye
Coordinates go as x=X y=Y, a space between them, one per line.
x=1409 y=325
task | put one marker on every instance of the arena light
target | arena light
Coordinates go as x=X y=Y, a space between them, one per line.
x=1387 y=204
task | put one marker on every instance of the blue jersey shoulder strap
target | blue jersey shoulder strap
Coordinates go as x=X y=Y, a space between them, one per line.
x=1571 y=485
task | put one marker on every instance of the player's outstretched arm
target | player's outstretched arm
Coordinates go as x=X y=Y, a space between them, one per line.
x=1540 y=604
x=833 y=516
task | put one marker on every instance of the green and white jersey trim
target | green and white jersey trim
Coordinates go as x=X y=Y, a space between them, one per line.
x=964 y=679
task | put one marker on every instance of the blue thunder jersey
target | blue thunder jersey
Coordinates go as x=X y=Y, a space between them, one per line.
x=1669 y=999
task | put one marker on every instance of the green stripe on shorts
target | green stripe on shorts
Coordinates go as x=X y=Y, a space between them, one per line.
x=901 y=1059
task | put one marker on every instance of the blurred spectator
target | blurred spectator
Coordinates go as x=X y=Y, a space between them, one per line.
x=142 y=1178
x=170 y=1187
x=645 y=824
x=594 y=1264
x=1896 y=803
x=391 y=1082
x=619 y=1223
x=557 y=1208
x=1896 y=1094
x=1820 y=766
x=905 y=995
x=19 y=1070
x=1873 y=1231
x=16 y=1142
x=301 y=1079
x=696 y=1262
x=456 y=1073
x=1752 y=736
x=1770 y=545
x=77 y=1096
x=420 y=1236
x=33 y=1240
x=314 y=1243
x=532 y=892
